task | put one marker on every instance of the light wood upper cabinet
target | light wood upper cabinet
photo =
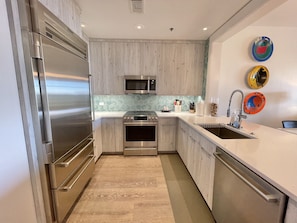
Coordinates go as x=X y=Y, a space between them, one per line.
x=178 y=65
x=182 y=69
x=67 y=11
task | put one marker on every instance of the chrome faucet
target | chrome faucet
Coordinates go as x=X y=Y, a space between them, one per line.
x=236 y=121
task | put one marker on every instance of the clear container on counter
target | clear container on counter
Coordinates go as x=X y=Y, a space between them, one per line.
x=200 y=107
x=214 y=102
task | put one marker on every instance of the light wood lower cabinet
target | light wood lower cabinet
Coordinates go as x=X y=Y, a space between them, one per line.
x=112 y=135
x=197 y=154
x=205 y=176
x=98 y=139
x=182 y=141
x=166 y=134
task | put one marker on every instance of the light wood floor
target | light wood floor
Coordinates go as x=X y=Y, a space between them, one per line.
x=125 y=190
x=134 y=189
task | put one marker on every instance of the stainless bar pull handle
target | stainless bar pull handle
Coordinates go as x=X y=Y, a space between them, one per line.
x=267 y=197
x=66 y=164
x=91 y=89
x=44 y=102
x=69 y=187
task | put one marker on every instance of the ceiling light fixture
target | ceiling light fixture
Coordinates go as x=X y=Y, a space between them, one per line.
x=82 y=25
x=139 y=26
x=204 y=29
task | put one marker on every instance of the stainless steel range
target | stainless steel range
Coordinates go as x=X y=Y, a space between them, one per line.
x=140 y=133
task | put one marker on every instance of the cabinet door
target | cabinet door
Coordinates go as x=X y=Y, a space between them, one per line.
x=181 y=69
x=179 y=137
x=191 y=142
x=98 y=139
x=112 y=135
x=150 y=58
x=206 y=174
x=108 y=135
x=67 y=11
x=166 y=134
x=113 y=82
x=106 y=64
x=183 y=142
x=193 y=162
x=118 y=124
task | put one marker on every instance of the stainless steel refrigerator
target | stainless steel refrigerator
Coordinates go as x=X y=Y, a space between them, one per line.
x=61 y=93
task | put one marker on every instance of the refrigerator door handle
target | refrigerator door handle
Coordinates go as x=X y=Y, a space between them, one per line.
x=66 y=164
x=91 y=97
x=44 y=103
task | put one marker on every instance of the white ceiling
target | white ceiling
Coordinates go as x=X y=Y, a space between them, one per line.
x=113 y=18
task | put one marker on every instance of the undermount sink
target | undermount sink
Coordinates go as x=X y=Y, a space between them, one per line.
x=225 y=132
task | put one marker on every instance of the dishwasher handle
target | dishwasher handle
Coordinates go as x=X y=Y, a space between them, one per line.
x=268 y=197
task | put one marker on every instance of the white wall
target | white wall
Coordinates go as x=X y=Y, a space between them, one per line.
x=16 y=197
x=236 y=61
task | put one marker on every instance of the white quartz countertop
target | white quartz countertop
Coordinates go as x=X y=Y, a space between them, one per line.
x=272 y=154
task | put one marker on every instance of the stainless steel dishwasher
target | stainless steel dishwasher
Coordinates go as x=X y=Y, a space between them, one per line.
x=242 y=196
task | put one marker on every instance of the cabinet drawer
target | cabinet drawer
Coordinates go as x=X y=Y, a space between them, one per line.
x=207 y=146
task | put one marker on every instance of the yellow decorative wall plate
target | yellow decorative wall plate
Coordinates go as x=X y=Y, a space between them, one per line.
x=258 y=77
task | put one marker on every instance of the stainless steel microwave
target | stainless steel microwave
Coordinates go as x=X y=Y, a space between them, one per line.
x=140 y=85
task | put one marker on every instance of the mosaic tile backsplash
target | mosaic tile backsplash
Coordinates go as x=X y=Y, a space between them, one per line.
x=139 y=102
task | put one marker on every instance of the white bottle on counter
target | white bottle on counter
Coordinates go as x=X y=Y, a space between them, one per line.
x=200 y=107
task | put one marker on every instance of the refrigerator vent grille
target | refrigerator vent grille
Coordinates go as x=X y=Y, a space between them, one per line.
x=136 y=6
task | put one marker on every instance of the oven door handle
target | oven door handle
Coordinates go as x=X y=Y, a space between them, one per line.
x=140 y=123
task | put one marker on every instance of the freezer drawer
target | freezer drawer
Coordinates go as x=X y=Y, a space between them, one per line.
x=242 y=196
x=66 y=194
x=65 y=166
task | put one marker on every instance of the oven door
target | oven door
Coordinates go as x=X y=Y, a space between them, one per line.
x=140 y=138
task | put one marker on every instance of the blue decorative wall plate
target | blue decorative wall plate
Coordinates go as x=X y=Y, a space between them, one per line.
x=262 y=48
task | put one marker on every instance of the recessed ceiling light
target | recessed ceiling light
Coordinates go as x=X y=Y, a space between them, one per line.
x=82 y=25
x=139 y=26
x=204 y=29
